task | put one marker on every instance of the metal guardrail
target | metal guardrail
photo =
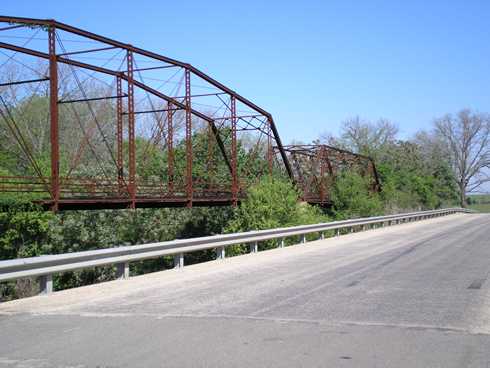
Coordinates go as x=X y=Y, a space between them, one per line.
x=46 y=266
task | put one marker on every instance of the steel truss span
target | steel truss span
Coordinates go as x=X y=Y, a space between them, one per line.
x=118 y=126
x=315 y=168
x=98 y=123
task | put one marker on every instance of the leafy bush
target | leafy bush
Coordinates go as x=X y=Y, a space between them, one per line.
x=271 y=203
x=352 y=197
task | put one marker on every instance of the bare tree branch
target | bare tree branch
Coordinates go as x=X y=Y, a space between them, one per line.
x=467 y=137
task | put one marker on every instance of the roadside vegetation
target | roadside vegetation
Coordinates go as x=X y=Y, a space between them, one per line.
x=479 y=202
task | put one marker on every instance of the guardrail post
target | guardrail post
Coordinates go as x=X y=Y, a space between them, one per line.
x=122 y=270
x=179 y=260
x=220 y=253
x=254 y=247
x=303 y=238
x=281 y=243
x=46 y=284
x=322 y=235
x=337 y=232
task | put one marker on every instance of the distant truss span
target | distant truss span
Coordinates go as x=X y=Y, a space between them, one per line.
x=317 y=166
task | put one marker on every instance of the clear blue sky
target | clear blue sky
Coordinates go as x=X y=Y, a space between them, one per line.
x=311 y=64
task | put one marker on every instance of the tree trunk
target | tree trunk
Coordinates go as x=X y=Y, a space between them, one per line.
x=462 y=195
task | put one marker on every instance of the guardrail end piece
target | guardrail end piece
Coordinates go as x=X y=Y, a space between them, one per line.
x=46 y=284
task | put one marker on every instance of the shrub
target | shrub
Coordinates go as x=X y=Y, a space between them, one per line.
x=271 y=203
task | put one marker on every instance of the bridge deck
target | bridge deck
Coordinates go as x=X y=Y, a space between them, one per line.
x=405 y=296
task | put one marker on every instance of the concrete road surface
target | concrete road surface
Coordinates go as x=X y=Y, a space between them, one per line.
x=412 y=295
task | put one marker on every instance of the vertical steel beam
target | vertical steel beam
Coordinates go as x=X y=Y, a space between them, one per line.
x=188 y=137
x=210 y=154
x=131 y=131
x=234 y=158
x=170 y=148
x=119 y=134
x=269 y=146
x=322 y=173
x=329 y=163
x=53 y=114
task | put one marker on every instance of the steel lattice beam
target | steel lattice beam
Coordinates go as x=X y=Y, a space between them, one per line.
x=67 y=192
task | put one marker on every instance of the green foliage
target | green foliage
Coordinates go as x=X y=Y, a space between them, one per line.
x=24 y=232
x=271 y=203
x=353 y=198
x=411 y=181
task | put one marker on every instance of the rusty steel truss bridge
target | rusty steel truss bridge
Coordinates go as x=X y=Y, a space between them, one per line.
x=98 y=123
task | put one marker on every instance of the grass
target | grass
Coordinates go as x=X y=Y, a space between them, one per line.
x=480 y=207
x=479 y=202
